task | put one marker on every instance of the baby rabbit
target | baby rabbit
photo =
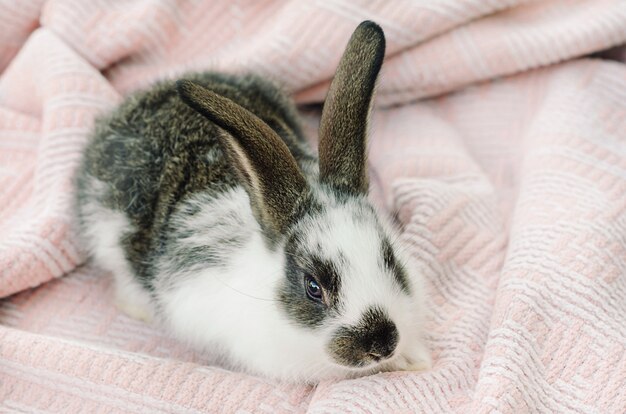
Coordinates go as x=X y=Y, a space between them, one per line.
x=205 y=202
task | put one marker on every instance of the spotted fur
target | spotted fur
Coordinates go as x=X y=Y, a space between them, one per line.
x=203 y=199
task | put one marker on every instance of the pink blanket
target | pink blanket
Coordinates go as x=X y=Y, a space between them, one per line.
x=503 y=155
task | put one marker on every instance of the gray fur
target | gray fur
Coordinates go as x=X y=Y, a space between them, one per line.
x=343 y=127
x=154 y=152
x=225 y=227
x=265 y=167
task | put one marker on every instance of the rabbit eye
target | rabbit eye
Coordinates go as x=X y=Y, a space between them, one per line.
x=313 y=289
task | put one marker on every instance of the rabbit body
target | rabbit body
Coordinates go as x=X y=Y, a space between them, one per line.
x=204 y=200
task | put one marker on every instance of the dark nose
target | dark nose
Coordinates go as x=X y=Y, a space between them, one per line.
x=373 y=339
x=381 y=340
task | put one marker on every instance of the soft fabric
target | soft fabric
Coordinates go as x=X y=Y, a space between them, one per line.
x=501 y=151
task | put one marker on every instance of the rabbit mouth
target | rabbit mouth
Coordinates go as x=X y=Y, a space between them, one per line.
x=371 y=364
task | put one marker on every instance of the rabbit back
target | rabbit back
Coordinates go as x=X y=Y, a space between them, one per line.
x=154 y=151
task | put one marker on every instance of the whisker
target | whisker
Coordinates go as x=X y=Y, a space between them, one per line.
x=247 y=294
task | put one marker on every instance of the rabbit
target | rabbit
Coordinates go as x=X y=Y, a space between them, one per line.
x=203 y=199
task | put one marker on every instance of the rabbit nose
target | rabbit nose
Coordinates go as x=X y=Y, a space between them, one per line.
x=384 y=342
x=373 y=339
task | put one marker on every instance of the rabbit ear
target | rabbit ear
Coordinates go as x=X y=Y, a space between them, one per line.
x=271 y=176
x=343 y=126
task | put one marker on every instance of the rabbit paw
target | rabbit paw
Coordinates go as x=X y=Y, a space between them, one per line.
x=134 y=310
x=415 y=359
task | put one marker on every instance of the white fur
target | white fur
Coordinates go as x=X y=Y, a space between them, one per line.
x=103 y=230
x=233 y=307
x=236 y=309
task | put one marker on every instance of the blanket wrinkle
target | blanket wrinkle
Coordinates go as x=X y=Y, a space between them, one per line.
x=497 y=143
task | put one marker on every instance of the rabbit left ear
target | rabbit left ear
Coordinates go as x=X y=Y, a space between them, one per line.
x=269 y=173
x=343 y=126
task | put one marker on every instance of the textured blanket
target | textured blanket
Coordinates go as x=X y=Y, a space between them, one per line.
x=498 y=144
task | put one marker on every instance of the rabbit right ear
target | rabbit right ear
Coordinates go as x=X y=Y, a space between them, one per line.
x=343 y=126
x=271 y=176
